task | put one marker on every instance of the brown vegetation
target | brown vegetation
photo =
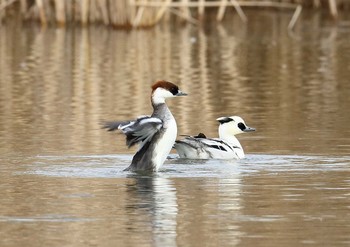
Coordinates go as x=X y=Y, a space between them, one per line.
x=140 y=13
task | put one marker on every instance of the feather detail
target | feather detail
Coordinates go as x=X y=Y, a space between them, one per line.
x=140 y=130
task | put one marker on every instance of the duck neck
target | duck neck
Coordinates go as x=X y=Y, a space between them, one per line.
x=229 y=138
x=162 y=112
x=156 y=100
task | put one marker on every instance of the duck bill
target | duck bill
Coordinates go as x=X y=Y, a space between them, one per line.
x=181 y=93
x=249 y=129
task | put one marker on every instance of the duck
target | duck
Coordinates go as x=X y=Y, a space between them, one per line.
x=155 y=134
x=226 y=146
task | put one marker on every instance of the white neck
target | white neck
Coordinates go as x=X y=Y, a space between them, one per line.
x=159 y=96
x=156 y=100
x=226 y=136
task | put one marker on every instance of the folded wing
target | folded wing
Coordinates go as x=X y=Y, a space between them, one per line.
x=200 y=147
x=205 y=143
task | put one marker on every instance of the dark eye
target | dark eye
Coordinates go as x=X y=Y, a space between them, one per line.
x=241 y=126
x=174 y=90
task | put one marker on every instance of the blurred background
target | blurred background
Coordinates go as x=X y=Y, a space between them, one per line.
x=283 y=66
x=58 y=84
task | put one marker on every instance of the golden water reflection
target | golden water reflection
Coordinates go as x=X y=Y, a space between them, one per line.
x=56 y=85
x=285 y=201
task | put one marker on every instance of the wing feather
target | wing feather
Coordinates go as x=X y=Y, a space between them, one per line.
x=113 y=125
x=140 y=130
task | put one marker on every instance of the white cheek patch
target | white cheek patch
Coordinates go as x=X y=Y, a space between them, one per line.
x=160 y=94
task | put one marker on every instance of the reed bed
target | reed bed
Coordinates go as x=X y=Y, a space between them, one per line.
x=140 y=13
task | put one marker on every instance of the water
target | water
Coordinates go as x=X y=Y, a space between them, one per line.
x=61 y=176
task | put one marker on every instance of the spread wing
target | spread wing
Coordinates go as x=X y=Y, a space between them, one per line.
x=140 y=130
x=113 y=125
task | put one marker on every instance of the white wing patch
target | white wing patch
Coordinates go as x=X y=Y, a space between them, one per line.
x=141 y=130
x=205 y=148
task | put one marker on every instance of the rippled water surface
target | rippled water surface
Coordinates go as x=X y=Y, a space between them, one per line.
x=61 y=176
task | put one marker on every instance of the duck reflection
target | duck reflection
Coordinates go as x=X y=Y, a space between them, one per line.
x=152 y=207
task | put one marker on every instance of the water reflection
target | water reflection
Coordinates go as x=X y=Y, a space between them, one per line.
x=278 y=200
x=57 y=85
x=57 y=174
x=155 y=198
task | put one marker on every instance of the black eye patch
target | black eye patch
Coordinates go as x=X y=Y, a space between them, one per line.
x=242 y=126
x=174 y=90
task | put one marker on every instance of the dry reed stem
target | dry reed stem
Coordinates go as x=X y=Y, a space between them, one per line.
x=93 y=13
x=216 y=4
x=201 y=8
x=295 y=17
x=102 y=4
x=111 y=9
x=221 y=10
x=84 y=12
x=333 y=8
x=42 y=14
x=181 y=14
x=144 y=12
x=162 y=11
x=239 y=10
x=138 y=16
x=185 y=9
x=60 y=12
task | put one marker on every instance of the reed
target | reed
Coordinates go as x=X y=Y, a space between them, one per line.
x=141 y=13
x=60 y=12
